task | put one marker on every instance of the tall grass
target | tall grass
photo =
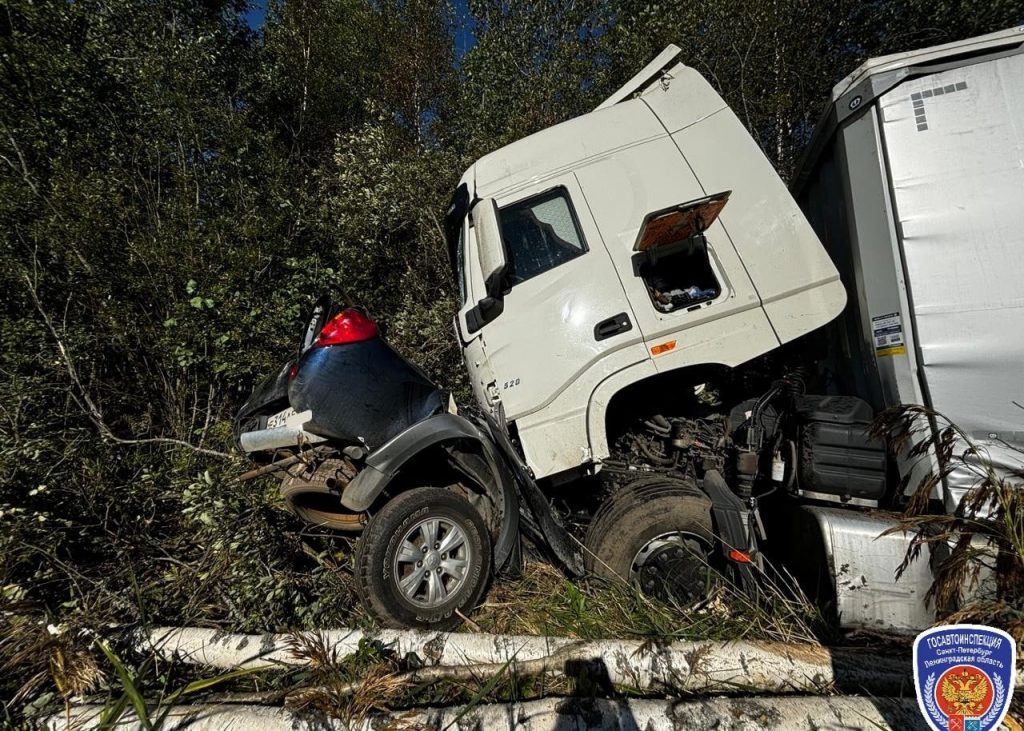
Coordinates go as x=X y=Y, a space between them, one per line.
x=544 y=602
x=984 y=537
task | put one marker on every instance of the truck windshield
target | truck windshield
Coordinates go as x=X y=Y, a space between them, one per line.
x=460 y=265
x=453 y=225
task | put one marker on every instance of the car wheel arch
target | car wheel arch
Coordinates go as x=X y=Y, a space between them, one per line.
x=467 y=451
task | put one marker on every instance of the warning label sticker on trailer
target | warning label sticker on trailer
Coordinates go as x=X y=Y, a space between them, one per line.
x=887 y=331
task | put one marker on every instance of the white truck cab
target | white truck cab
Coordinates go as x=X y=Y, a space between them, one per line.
x=647 y=236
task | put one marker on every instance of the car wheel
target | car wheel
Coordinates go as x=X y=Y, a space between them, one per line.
x=425 y=554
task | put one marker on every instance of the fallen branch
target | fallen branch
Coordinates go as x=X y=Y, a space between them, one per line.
x=736 y=714
x=81 y=395
x=676 y=667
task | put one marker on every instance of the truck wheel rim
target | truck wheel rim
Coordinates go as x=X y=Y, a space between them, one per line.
x=669 y=565
x=432 y=562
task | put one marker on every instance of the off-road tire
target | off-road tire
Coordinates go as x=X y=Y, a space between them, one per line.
x=639 y=512
x=376 y=583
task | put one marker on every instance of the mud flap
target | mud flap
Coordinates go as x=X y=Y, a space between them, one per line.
x=733 y=522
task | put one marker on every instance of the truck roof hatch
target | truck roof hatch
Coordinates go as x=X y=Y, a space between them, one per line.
x=680 y=222
x=650 y=73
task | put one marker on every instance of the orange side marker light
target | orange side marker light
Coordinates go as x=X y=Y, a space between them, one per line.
x=740 y=556
x=663 y=347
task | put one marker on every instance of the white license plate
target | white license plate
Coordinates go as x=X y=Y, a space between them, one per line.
x=280 y=418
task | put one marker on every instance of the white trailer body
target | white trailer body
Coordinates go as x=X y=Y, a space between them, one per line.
x=915 y=184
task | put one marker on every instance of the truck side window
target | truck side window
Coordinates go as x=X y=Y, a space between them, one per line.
x=540 y=233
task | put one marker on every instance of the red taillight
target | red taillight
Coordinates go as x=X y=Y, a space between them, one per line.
x=348 y=326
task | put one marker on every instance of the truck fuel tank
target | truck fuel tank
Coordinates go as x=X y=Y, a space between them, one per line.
x=841 y=557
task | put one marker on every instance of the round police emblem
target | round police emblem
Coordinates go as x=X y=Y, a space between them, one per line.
x=964 y=675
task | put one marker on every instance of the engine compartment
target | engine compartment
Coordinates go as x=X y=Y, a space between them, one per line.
x=808 y=446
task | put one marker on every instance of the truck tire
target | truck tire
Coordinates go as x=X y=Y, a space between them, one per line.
x=426 y=553
x=657 y=534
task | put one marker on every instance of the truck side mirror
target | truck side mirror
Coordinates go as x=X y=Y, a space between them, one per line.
x=491 y=247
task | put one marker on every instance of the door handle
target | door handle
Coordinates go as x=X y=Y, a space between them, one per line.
x=612 y=326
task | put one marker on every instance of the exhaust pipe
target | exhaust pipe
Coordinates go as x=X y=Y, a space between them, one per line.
x=266 y=440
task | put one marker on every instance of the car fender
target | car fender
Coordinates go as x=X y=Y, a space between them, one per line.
x=383 y=464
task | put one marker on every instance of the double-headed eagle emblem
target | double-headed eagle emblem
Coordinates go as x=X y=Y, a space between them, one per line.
x=965 y=692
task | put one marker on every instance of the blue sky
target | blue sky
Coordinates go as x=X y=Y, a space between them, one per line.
x=256 y=14
x=464 y=36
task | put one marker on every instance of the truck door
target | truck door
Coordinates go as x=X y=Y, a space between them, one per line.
x=563 y=308
x=697 y=306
